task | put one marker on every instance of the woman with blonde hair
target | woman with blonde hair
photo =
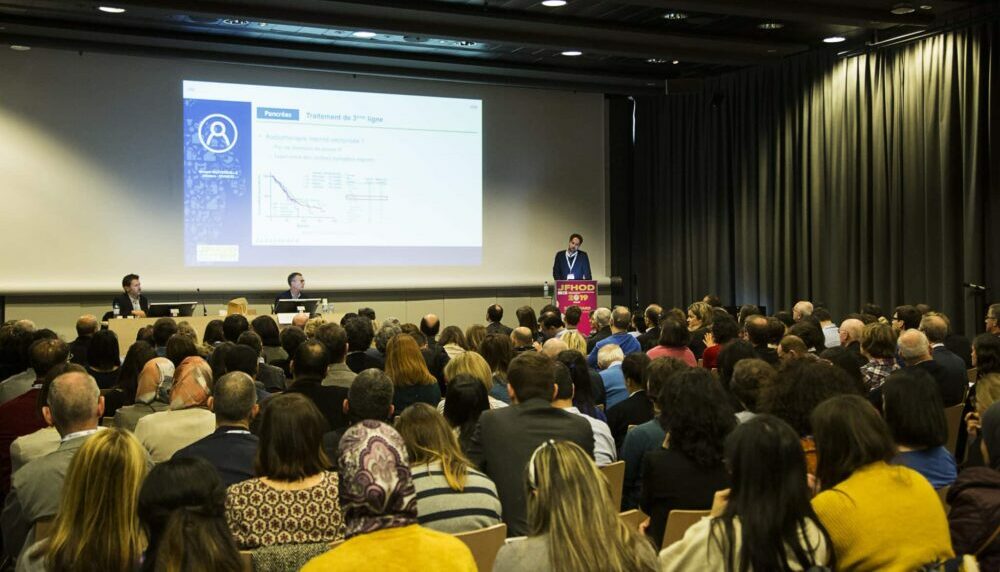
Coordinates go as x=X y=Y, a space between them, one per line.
x=699 y=323
x=474 y=335
x=472 y=364
x=573 y=523
x=96 y=527
x=405 y=366
x=575 y=341
x=451 y=495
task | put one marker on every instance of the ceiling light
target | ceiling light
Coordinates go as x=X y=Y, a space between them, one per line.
x=19 y=48
x=675 y=16
x=553 y=3
x=111 y=9
x=834 y=39
x=926 y=7
x=656 y=61
x=770 y=25
x=364 y=35
x=235 y=22
x=466 y=43
x=903 y=8
x=675 y=62
x=572 y=53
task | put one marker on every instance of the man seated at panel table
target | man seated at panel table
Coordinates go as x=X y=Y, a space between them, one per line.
x=296 y=283
x=131 y=302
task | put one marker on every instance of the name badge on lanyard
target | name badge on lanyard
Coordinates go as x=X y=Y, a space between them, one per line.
x=571 y=262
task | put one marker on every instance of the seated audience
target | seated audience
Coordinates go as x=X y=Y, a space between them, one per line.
x=915 y=416
x=494 y=317
x=985 y=393
x=915 y=351
x=523 y=340
x=600 y=327
x=453 y=342
x=124 y=389
x=497 y=350
x=463 y=405
x=270 y=337
x=553 y=346
x=793 y=348
x=935 y=327
x=474 y=335
x=620 y=318
x=360 y=334
x=233 y=326
x=451 y=495
x=605 y=451
x=163 y=329
x=370 y=397
x=764 y=521
x=651 y=319
x=231 y=449
x=96 y=526
x=102 y=361
x=27 y=448
x=609 y=362
x=290 y=338
x=808 y=330
x=409 y=374
x=879 y=516
x=187 y=420
x=472 y=364
x=699 y=322
x=334 y=337
x=750 y=378
x=213 y=335
x=182 y=510
x=506 y=437
x=380 y=511
x=758 y=331
x=21 y=383
x=575 y=341
x=687 y=470
x=636 y=409
x=180 y=347
x=673 y=343
x=86 y=326
x=724 y=330
x=878 y=344
x=388 y=331
x=309 y=365
x=152 y=393
x=294 y=498
x=572 y=524
x=850 y=333
x=732 y=354
x=272 y=377
x=974 y=499
x=588 y=392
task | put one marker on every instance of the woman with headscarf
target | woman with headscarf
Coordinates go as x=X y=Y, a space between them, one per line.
x=188 y=418
x=974 y=518
x=152 y=393
x=380 y=511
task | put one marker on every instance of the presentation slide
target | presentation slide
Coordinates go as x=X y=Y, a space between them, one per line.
x=278 y=176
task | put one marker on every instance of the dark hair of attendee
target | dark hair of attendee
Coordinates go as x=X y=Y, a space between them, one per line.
x=267 y=329
x=464 y=403
x=552 y=321
x=214 y=333
x=310 y=360
x=217 y=359
x=724 y=329
x=770 y=497
x=348 y=316
x=45 y=354
x=494 y=313
x=775 y=329
x=453 y=335
x=250 y=339
x=291 y=337
x=497 y=350
x=849 y=434
x=696 y=414
x=913 y=409
x=987 y=348
x=633 y=367
x=674 y=334
x=758 y=329
x=785 y=317
x=638 y=323
x=532 y=375
x=367 y=312
x=873 y=310
x=750 y=377
x=127 y=280
x=242 y=358
x=16 y=339
x=334 y=337
x=846 y=360
x=713 y=300
x=799 y=387
x=747 y=310
x=822 y=314
x=549 y=309
x=233 y=326
x=417 y=336
x=145 y=334
x=360 y=333
x=163 y=328
x=729 y=356
x=429 y=330
x=291 y=439
x=102 y=353
x=657 y=374
x=179 y=348
x=370 y=396
x=810 y=333
x=909 y=315
x=583 y=399
x=128 y=375
x=573 y=315
x=526 y=318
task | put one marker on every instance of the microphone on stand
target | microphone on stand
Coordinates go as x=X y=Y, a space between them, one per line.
x=204 y=309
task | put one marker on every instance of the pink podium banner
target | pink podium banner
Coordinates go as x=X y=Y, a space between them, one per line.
x=582 y=293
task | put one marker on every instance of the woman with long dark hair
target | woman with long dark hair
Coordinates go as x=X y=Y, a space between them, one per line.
x=498 y=350
x=103 y=361
x=583 y=385
x=764 y=521
x=915 y=414
x=464 y=403
x=123 y=393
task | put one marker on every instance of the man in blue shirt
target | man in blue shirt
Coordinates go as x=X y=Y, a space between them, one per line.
x=620 y=320
x=612 y=376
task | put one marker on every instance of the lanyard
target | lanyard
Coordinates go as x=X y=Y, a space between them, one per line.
x=570 y=261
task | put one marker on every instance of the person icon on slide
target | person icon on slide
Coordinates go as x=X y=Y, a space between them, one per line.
x=217 y=129
x=572 y=263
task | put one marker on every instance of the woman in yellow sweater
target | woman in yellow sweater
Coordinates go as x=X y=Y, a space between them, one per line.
x=880 y=516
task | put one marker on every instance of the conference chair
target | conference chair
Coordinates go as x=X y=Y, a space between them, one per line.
x=943 y=495
x=953 y=415
x=632 y=518
x=284 y=557
x=615 y=473
x=484 y=544
x=972 y=373
x=678 y=521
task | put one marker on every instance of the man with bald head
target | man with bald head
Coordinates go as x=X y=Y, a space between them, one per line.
x=915 y=350
x=86 y=327
x=553 y=346
x=850 y=334
x=621 y=318
x=523 y=340
x=74 y=408
x=801 y=309
x=935 y=326
x=430 y=325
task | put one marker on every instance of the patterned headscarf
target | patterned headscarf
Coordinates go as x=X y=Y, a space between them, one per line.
x=376 y=488
x=191 y=384
x=155 y=381
x=991 y=433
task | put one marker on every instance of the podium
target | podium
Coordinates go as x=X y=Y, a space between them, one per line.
x=581 y=293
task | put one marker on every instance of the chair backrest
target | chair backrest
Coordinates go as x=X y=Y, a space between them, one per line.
x=484 y=544
x=678 y=521
x=615 y=473
x=953 y=415
x=972 y=373
x=247 y=558
x=633 y=518
x=43 y=528
x=943 y=495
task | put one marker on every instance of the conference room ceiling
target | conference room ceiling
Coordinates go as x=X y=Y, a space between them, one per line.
x=625 y=46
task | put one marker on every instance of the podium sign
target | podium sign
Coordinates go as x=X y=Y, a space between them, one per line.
x=582 y=293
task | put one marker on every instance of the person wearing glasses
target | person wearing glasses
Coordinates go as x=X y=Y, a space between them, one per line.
x=993 y=320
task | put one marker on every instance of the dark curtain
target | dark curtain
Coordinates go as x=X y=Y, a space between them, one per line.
x=839 y=180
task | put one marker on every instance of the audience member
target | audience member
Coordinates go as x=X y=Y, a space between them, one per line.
x=793 y=348
x=233 y=326
x=574 y=341
x=935 y=327
x=636 y=409
x=472 y=364
x=410 y=376
x=294 y=498
x=96 y=526
x=360 y=334
x=699 y=322
x=271 y=377
x=15 y=339
x=724 y=330
x=915 y=416
x=498 y=350
x=802 y=309
x=463 y=406
x=808 y=330
x=102 y=360
x=494 y=315
x=609 y=361
x=270 y=337
x=188 y=419
x=750 y=378
x=955 y=342
x=290 y=338
x=673 y=343
x=915 y=351
x=182 y=510
x=453 y=342
x=474 y=335
x=552 y=347
x=163 y=328
x=651 y=318
x=572 y=524
x=31 y=446
x=759 y=334
x=506 y=437
x=605 y=450
x=878 y=344
x=974 y=499
x=905 y=318
x=451 y=495
x=382 y=337
x=553 y=326
x=687 y=470
x=334 y=337
x=831 y=332
x=86 y=326
x=231 y=449
x=993 y=320
x=984 y=394
x=850 y=334
x=620 y=337
x=370 y=397
x=309 y=366
x=729 y=357
x=588 y=387
x=180 y=347
x=380 y=511
x=124 y=390
x=213 y=335
x=879 y=516
x=600 y=327
x=764 y=521
x=572 y=316
x=43 y=353
x=523 y=340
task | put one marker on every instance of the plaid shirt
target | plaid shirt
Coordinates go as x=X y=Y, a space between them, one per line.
x=876 y=370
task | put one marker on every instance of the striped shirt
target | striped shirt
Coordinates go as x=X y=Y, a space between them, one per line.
x=444 y=509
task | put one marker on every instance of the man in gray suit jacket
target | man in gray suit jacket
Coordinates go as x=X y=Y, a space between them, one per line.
x=74 y=407
x=505 y=438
